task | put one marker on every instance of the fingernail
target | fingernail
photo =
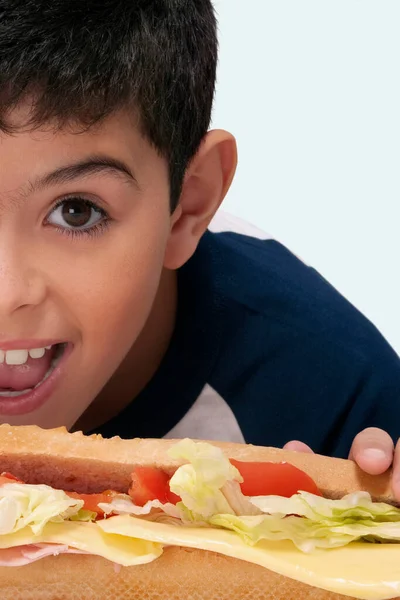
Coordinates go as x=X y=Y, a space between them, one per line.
x=374 y=454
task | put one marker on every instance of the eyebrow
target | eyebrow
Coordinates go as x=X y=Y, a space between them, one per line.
x=85 y=168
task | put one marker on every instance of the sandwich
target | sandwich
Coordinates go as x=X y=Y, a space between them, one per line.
x=87 y=518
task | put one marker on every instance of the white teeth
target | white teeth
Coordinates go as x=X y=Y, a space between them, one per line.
x=16 y=357
x=19 y=357
x=37 y=352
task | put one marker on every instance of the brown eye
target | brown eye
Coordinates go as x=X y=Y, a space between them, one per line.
x=76 y=213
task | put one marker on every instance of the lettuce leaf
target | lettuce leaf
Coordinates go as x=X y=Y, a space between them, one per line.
x=307 y=535
x=23 y=505
x=351 y=508
x=122 y=505
x=312 y=522
x=358 y=505
x=84 y=516
x=199 y=482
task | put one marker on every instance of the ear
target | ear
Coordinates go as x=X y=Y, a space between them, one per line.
x=207 y=180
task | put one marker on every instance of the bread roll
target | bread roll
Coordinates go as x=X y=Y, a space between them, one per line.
x=89 y=464
x=178 y=574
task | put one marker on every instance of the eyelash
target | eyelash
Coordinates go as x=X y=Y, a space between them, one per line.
x=90 y=232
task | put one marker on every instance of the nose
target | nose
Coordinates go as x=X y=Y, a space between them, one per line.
x=21 y=283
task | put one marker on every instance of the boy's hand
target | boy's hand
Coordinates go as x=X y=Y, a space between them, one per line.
x=374 y=452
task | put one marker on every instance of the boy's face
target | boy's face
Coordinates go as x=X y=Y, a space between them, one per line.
x=84 y=272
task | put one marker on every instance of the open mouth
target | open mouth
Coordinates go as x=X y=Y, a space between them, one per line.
x=24 y=371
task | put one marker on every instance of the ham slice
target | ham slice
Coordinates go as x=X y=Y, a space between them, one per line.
x=24 y=555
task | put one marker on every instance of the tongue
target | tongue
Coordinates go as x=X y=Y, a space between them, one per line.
x=22 y=377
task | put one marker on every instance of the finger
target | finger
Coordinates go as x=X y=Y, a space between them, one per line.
x=396 y=472
x=296 y=446
x=372 y=450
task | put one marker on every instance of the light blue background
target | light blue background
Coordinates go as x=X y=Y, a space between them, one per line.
x=311 y=90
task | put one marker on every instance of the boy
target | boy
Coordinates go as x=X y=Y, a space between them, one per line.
x=119 y=312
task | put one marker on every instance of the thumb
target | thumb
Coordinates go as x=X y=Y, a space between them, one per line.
x=296 y=446
x=372 y=450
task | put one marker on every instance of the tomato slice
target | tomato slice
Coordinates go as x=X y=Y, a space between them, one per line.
x=171 y=497
x=8 y=478
x=91 y=501
x=150 y=483
x=273 y=479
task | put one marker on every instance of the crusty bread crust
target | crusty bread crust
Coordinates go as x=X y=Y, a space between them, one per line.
x=91 y=464
x=179 y=574
x=76 y=462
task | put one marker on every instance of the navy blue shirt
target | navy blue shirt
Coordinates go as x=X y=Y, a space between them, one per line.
x=264 y=351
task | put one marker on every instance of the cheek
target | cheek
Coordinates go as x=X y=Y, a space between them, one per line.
x=118 y=300
x=109 y=290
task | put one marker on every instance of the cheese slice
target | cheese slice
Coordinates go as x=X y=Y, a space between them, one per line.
x=365 y=571
x=125 y=551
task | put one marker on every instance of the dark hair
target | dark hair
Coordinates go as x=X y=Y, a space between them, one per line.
x=81 y=60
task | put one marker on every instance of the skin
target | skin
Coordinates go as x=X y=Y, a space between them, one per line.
x=112 y=295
